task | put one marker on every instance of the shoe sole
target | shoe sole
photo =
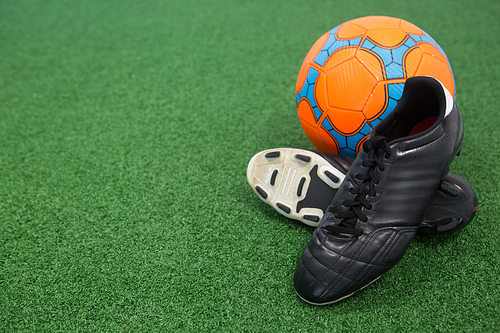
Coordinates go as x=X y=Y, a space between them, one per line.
x=301 y=184
x=341 y=298
x=452 y=207
x=297 y=183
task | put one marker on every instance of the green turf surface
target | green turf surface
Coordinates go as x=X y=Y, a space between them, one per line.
x=125 y=132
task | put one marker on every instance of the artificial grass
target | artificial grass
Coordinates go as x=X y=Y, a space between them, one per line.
x=125 y=131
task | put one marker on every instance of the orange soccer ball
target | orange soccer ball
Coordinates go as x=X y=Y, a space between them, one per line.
x=354 y=75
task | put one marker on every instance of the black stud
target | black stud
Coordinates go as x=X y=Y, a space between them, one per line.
x=273 y=177
x=301 y=185
x=312 y=218
x=304 y=158
x=449 y=189
x=330 y=175
x=272 y=154
x=448 y=224
x=262 y=193
x=284 y=208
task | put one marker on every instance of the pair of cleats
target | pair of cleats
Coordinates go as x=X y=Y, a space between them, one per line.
x=367 y=209
x=300 y=184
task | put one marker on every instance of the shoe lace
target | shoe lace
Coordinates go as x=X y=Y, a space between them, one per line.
x=375 y=148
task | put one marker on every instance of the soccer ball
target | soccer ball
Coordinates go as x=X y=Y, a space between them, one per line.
x=354 y=75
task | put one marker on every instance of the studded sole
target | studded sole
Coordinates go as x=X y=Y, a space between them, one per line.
x=297 y=183
x=312 y=183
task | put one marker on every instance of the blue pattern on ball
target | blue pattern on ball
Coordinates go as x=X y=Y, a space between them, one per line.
x=332 y=45
x=392 y=58
x=347 y=144
x=307 y=91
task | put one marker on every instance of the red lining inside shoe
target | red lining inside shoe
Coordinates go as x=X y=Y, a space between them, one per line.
x=423 y=125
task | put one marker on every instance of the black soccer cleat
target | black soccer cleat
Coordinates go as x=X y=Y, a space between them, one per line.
x=383 y=199
x=280 y=179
